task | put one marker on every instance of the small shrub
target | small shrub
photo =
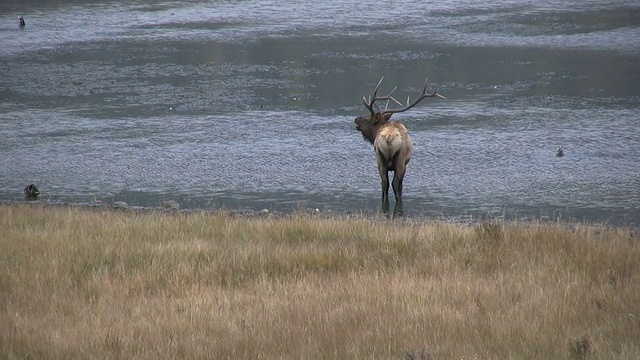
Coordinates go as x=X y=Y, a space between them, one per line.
x=579 y=349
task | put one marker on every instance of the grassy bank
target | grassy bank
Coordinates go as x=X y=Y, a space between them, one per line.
x=87 y=283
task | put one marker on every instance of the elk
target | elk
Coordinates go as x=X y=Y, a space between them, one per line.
x=391 y=141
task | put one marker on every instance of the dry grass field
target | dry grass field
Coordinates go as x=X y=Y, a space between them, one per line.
x=104 y=284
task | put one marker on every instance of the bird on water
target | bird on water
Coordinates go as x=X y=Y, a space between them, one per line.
x=31 y=192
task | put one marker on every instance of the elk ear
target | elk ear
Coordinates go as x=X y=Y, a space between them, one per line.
x=386 y=117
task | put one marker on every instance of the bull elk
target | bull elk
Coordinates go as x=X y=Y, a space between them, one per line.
x=391 y=141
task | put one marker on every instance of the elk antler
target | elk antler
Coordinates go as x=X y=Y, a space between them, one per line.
x=372 y=99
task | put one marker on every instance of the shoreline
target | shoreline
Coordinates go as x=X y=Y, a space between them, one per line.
x=463 y=220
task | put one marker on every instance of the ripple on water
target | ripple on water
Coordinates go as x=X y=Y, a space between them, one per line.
x=220 y=104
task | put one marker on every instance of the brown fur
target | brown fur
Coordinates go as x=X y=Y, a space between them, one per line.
x=393 y=147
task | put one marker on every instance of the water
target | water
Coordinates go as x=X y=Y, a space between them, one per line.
x=250 y=104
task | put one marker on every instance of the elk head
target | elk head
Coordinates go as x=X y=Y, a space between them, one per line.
x=391 y=141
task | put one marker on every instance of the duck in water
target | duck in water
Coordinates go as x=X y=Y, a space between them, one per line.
x=31 y=192
x=21 y=22
x=560 y=151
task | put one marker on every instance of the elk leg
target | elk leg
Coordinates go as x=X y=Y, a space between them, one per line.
x=398 y=177
x=384 y=176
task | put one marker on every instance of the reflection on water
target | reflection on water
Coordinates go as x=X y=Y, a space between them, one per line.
x=221 y=104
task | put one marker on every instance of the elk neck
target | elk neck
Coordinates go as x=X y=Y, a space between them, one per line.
x=370 y=126
x=371 y=133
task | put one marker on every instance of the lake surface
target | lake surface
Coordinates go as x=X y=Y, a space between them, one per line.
x=250 y=104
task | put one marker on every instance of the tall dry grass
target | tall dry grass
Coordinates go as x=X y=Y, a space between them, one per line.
x=87 y=283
